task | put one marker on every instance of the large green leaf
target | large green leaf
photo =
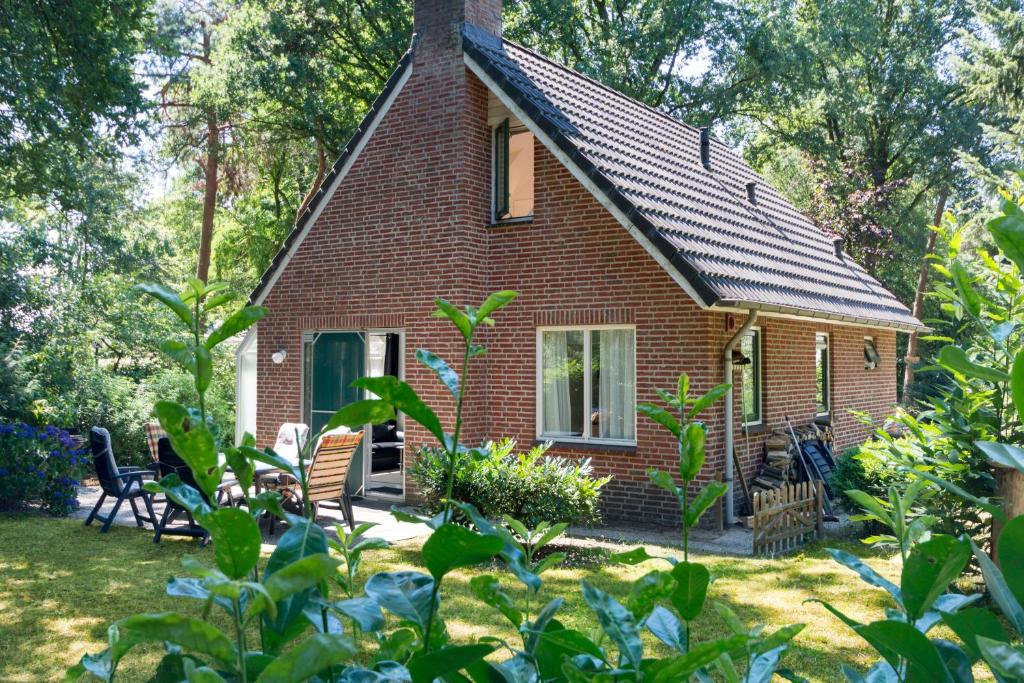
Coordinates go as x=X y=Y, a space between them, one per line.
x=661 y=416
x=204 y=369
x=955 y=359
x=494 y=302
x=1004 y=659
x=680 y=668
x=970 y=299
x=240 y=321
x=358 y=414
x=448 y=377
x=365 y=612
x=447 y=660
x=928 y=571
x=181 y=353
x=704 y=499
x=510 y=550
x=637 y=555
x=897 y=639
x=190 y=634
x=461 y=321
x=616 y=621
x=405 y=594
x=193 y=442
x=181 y=493
x=999 y=590
x=452 y=546
x=169 y=299
x=663 y=480
x=865 y=572
x=691 y=589
x=556 y=644
x=1003 y=454
x=1017 y=383
x=1010 y=550
x=306 y=572
x=705 y=401
x=308 y=658
x=405 y=399
x=871 y=505
x=1008 y=232
x=970 y=623
x=488 y=590
x=647 y=591
x=692 y=457
x=667 y=628
x=300 y=540
x=236 y=540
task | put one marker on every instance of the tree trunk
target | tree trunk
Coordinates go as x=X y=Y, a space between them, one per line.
x=209 y=194
x=321 y=171
x=922 y=286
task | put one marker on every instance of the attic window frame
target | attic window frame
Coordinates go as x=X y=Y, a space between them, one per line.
x=501 y=173
x=872 y=359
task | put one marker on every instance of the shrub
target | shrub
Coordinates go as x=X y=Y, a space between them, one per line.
x=42 y=466
x=531 y=487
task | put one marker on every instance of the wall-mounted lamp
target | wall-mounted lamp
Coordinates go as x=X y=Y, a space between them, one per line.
x=279 y=357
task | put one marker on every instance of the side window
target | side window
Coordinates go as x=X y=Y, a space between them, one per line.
x=871 y=357
x=823 y=382
x=513 y=172
x=750 y=347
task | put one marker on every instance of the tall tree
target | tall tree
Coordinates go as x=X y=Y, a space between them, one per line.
x=193 y=107
x=68 y=90
x=666 y=54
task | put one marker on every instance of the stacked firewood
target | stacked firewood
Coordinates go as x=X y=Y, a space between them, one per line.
x=777 y=468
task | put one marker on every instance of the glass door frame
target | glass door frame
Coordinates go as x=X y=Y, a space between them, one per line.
x=309 y=337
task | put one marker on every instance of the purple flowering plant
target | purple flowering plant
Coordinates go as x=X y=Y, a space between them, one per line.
x=41 y=466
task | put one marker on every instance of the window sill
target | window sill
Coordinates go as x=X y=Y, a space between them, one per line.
x=510 y=222
x=760 y=428
x=588 y=445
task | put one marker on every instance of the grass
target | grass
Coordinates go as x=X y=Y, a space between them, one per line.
x=61 y=585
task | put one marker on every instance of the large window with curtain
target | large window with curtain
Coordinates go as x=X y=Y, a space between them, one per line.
x=587 y=384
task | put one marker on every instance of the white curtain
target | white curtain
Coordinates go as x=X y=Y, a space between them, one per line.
x=616 y=396
x=555 y=384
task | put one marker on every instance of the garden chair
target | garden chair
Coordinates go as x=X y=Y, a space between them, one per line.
x=119 y=483
x=154 y=432
x=327 y=476
x=287 y=445
x=171 y=463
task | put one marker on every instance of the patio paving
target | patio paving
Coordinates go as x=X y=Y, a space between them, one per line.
x=376 y=512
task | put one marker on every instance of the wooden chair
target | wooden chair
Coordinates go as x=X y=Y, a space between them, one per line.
x=120 y=483
x=327 y=475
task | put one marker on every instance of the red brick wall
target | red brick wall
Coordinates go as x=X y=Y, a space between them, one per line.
x=408 y=223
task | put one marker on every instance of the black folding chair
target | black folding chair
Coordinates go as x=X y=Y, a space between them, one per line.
x=170 y=462
x=120 y=483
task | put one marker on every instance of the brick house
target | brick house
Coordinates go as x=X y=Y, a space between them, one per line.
x=640 y=246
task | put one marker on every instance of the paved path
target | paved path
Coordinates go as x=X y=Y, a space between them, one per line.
x=387 y=527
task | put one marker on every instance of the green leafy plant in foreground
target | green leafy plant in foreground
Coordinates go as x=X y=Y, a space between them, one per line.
x=933 y=562
x=305 y=602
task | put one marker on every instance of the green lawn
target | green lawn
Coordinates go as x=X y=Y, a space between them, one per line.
x=62 y=584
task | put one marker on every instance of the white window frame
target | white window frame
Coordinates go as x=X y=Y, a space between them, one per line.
x=755 y=331
x=828 y=374
x=587 y=383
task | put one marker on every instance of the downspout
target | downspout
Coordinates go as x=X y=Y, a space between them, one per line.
x=730 y=516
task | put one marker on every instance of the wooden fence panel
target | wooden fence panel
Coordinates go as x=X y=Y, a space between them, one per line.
x=787 y=517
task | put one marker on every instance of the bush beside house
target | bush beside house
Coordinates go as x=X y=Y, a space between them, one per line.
x=531 y=487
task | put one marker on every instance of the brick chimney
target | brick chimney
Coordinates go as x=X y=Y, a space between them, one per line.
x=439 y=22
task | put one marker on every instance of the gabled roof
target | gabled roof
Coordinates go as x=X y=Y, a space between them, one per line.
x=647 y=165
